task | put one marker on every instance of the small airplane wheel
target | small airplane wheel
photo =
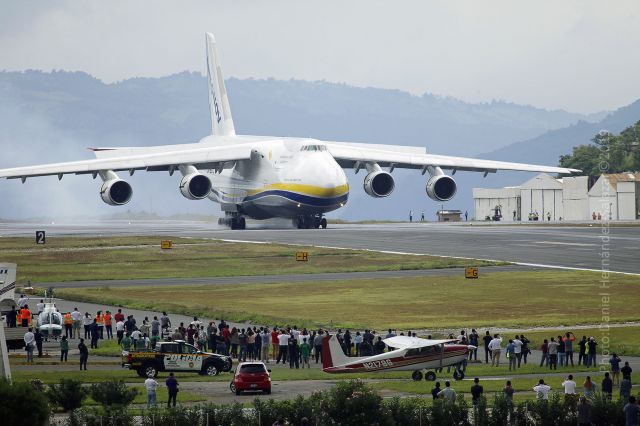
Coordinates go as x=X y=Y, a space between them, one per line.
x=430 y=376
x=416 y=375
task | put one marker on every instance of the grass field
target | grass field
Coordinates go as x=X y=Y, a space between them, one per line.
x=78 y=259
x=506 y=299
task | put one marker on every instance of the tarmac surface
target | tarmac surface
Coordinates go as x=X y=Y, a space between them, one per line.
x=593 y=246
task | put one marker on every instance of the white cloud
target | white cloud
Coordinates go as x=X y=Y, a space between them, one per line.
x=578 y=55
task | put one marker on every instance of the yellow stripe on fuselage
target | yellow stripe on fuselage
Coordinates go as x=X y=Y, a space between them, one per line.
x=301 y=188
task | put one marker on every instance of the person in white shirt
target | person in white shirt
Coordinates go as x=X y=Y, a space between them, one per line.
x=517 y=349
x=40 y=306
x=22 y=301
x=569 y=385
x=495 y=346
x=29 y=344
x=135 y=336
x=76 y=318
x=151 y=386
x=120 y=330
x=542 y=390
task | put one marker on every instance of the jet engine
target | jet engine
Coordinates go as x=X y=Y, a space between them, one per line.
x=379 y=184
x=116 y=192
x=195 y=186
x=441 y=187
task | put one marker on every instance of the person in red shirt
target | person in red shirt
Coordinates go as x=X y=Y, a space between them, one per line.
x=226 y=334
x=25 y=316
x=274 y=343
x=119 y=316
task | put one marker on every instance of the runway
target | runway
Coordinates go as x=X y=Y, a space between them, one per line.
x=616 y=249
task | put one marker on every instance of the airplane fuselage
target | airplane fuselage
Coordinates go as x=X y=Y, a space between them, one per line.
x=285 y=177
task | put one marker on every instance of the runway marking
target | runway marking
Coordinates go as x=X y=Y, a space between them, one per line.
x=533 y=265
x=562 y=243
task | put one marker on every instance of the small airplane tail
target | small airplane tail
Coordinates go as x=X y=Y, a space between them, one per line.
x=332 y=353
x=221 y=121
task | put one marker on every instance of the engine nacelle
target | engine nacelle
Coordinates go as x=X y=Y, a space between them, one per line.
x=441 y=188
x=195 y=186
x=116 y=192
x=379 y=184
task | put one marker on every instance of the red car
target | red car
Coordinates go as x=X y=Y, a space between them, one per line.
x=251 y=376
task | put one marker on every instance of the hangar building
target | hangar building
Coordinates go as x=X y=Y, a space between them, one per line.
x=612 y=196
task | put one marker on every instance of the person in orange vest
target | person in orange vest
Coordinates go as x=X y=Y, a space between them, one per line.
x=68 y=325
x=100 y=322
x=108 y=324
x=25 y=316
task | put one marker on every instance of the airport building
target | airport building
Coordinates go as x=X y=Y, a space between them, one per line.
x=612 y=196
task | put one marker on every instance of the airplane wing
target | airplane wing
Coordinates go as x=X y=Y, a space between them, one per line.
x=131 y=159
x=356 y=155
x=406 y=342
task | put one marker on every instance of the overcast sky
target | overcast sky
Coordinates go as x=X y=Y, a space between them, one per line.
x=579 y=55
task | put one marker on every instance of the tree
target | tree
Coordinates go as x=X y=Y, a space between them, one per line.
x=22 y=404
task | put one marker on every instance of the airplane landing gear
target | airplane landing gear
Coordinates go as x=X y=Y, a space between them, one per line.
x=430 y=376
x=310 y=221
x=416 y=375
x=233 y=222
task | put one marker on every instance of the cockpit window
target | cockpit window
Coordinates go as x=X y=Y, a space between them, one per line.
x=313 y=148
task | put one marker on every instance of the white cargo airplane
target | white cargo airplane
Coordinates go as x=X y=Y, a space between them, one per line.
x=409 y=354
x=262 y=177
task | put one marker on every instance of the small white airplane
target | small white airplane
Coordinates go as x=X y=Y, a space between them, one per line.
x=262 y=177
x=409 y=354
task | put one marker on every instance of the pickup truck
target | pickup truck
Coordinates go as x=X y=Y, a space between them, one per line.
x=176 y=356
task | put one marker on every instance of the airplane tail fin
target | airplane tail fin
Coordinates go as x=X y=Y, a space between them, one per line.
x=332 y=353
x=221 y=121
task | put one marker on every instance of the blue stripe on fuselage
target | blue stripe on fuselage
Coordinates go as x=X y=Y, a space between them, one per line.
x=300 y=198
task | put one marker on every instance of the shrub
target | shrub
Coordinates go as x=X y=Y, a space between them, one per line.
x=68 y=394
x=408 y=411
x=20 y=403
x=353 y=403
x=113 y=393
x=100 y=417
x=174 y=416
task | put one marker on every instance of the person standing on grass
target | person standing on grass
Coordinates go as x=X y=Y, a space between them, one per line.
x=525 y=348
x=84 y=354
x=626 y=371
x=584 y=409
x=68 y=325
x=305 y=351
x=436 y=390
x=283 y=347
x=607 y=386
x=589 y=387
x=487 y=340
x=172 y=389
x=119 y=331
x=476 y=391
x=126 y=343
x=29 y=344
x=473 y=341
x=76 y=318
x=108 y=324
x=591 y=345
x=496 y=347
x=317 y=344
x=561 y=351
x=275 y=345
x=151 y=386
x=87 y=321
x=64 y=349
x=511 y=356
x=569 y=386
x=508 y=391
x=582 y=351
x=38 y=338
x=568 y=339
x=265 y=336
x=448 y=394
x=625 y=389
x=100 y=322
x=542 y=390
x=615 y=368
x=631 y=412
x=95 y=334
x=552 y=348
x=294 y=351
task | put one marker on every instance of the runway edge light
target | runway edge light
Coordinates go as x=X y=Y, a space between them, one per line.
x=166 y=244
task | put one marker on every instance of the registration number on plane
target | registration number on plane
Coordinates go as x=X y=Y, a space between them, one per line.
x=372 y=365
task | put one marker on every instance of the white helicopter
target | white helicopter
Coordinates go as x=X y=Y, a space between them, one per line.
x=50 y=321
